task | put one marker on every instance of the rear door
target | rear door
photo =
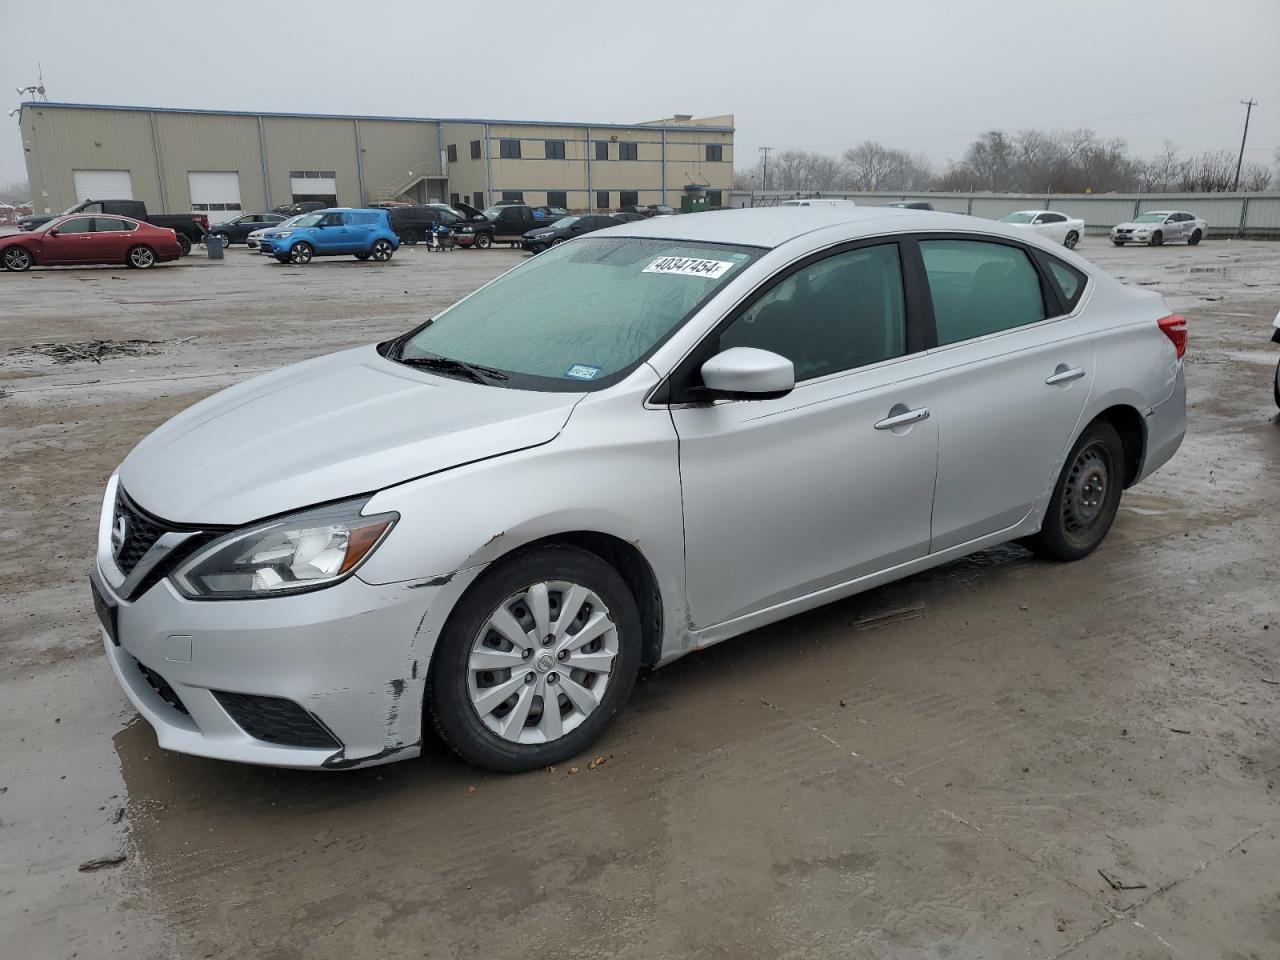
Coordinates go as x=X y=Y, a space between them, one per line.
x=1013 y=378
x=113 y=237
x=74 y=242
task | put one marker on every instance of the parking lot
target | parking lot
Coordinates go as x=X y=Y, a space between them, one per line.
x=1002 y=757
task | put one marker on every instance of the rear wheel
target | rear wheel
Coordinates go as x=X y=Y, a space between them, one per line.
x=17 y=259
x=301 y=253
x=1194 y=238
x=1157 y=238
x=1072 y=239
x=1275 y=387
x=410 y=237
x=141 y=258
x=484 y=241
x=535 y=660
x=184 y=245
x=382 y=250
x=1085 y=498
x=225 y=238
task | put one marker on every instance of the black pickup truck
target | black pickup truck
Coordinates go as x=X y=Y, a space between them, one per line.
x=507 y=222
x=190 y=227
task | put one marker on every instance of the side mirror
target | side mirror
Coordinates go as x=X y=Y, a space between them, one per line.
x=746 y=373
x=53 y=232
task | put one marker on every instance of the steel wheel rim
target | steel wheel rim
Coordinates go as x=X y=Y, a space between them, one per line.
x=301 y=254
x=541 y=662
x=381 y=250
x=1084 y=496
x=17 y=259
x=141 y=257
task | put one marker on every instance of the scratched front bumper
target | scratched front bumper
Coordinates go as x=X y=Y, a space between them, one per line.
x=353 y=655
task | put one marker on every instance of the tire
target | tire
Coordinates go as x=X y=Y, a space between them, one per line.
x=301 y=253
x=1275 y=386
x=483 y=241
x=1157 y=238
x=140 y=257
x=1194 y=238
x=410 y=237
x=382 y=250
x=557 y=241
x=1118 y=243
x=17 y=259
x=362 y=256
x=1072 y=239
x=184 y=245
x=1079 y=515
x=226 y=240
x=470 y=724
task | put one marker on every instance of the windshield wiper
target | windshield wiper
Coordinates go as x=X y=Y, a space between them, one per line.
x=448 y=365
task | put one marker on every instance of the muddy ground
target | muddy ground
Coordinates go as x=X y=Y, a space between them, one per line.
x=999 y=758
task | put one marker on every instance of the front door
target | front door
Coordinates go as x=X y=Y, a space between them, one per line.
x=333 y=235
x=1012 y=385
x=787 y=497
x=74 y=242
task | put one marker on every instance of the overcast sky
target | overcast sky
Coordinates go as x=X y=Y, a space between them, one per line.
x=924 y=75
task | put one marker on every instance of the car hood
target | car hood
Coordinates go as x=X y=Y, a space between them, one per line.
x=334 y=427
x=1130 y=225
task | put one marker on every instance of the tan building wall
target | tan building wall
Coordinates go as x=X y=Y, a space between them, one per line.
x=394 y=151
x=192 y=142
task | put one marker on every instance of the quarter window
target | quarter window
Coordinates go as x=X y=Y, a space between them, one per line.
x=555 y=149
x=836 y=314
x=628 y=151
x=980 y=288
x=509 y=149
x=1069 y=281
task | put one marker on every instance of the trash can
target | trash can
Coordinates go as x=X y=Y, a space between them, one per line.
x=214 y=245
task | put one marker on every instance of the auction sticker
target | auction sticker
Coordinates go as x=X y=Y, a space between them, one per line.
x=690 y=267
x=582 y=371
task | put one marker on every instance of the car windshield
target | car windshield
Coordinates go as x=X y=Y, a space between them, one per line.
x=1018 y=218
x=566 y=221
x=306 y=220
x=581 y=311
x=492 y=212
x=1150 y=218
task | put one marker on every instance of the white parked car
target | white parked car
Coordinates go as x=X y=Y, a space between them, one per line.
x=1160 y=226
x=1058 y=227
x=645 y=441
x=254 y=240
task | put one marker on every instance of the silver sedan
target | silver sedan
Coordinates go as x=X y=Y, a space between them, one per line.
x=638 y=444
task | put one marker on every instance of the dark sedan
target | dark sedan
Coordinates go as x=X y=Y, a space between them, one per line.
x=566 y=228
x=238 y=230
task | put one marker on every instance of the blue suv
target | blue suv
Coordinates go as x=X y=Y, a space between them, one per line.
x=334 y=232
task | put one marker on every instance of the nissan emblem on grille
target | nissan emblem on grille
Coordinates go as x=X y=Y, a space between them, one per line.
x=119 y=531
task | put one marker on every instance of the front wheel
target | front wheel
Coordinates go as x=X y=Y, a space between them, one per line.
x=1194 y=238
x=1118 y=243
x=484 y=241
x=301 y=253
x=1085 y=498
x=535 y=660
x=17 y=259
x=1072 y=239
x=141 y=258
x=1157 y=238
x=382 y=250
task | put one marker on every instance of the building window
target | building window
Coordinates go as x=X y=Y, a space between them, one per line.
x=602 y=149
x=628 y=151
x=557 y=198
x=453 y=152
x=313 y=174
x=628 y=198
x=509 y=149
x=715 y=151
x=715 y=197
x=555 y=149
x=602 y=199
x=513 y=196
x=475 y=149
x=477 y=200
x=454 y=198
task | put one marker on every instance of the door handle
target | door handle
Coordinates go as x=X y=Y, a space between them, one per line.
x=902 y=419
x=1064 y=375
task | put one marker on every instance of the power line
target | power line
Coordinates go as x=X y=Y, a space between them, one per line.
x=1248 y=105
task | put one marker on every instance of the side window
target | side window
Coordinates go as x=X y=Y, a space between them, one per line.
x=835 y=314
x=980 y=288
x=78 y=225
x=109 y=225
x=1043 y=218
x=1069 y=281
x=332 y=220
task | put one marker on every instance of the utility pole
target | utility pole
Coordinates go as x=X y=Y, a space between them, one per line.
x=1248 y=105
x=764 y=178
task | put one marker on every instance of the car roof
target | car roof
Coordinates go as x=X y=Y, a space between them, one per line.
x=774 y=226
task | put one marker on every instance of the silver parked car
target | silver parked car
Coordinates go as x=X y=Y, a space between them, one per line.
x=637 y=444
x=1160 y=226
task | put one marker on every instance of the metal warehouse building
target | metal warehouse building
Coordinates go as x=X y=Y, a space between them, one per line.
x=219 y=162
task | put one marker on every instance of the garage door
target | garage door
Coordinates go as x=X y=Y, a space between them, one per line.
x=314 y=185
x=214 y=193
x=103 y=185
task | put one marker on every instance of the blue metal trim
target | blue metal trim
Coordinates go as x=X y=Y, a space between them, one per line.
x=58 y=105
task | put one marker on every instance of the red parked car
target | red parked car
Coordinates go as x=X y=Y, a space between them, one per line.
x=78 y=239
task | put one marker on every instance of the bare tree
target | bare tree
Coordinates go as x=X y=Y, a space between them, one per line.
x=869 y=164
x=14 y=192
x=1254 y=178
x=990 y=157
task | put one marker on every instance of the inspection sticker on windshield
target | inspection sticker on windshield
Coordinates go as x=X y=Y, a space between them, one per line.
x=690 y=267
x=582 y=371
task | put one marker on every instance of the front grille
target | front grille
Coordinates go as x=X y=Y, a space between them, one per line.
x=140 y=534
x=161 y=686
x=276 y=720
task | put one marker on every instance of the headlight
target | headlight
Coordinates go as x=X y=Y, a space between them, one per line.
x=283 y=233
x=466 y=229
x=306 y=551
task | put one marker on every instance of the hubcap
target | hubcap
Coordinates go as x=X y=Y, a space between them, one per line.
x=142 y=258
x=381 y=250
x=541 y=663
x=301 y=254
x=1086 y=489
x=16 y=259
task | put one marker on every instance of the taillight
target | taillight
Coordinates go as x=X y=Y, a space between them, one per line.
x=1175 y=328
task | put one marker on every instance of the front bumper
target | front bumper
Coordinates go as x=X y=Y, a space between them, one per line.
x=464 y=239
x=1130 y=237
x=352 y=656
